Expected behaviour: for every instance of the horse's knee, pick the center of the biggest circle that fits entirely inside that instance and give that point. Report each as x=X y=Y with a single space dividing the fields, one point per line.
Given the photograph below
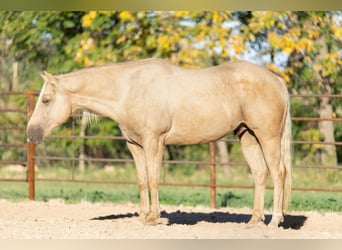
x=142 y=186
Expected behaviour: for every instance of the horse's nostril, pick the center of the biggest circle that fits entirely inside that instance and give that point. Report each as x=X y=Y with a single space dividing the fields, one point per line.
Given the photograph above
x=35 y=134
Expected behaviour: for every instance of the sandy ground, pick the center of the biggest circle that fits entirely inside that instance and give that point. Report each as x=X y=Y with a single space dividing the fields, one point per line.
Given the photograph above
x=57 y=220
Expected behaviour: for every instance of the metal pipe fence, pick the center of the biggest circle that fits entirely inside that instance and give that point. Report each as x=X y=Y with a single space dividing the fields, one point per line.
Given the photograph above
x=30 y=156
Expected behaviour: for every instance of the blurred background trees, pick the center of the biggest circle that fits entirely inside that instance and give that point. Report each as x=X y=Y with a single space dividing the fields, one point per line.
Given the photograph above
x=302 y=47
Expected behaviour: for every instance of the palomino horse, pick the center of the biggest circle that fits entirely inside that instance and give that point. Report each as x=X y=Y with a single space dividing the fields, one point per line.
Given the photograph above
x=156 y=103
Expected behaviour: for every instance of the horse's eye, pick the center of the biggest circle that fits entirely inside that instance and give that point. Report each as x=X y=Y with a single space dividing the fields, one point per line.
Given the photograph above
x=46 y=100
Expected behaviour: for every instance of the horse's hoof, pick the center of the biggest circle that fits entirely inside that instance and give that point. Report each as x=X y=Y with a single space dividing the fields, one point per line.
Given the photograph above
x=256 y=219
x=273 y=224
x=158 y=221
x=154 y=219
x=276 y=220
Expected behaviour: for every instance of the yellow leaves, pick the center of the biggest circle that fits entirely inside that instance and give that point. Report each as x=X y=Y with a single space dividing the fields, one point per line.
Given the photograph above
x=317 y=19
x=216 y=16
x=290 y=41
x=337 y=31
x=88 y=19
x=317 y=67
x=163 y=43
x=132 y=53
x=331 y=63
x=126 y=16
x=311 y=135
x=201 y=32
x=219 y=16
x=237 y=43
x=286 y=44
x=251 y=37
x=191 y=38
x=151 y=42
x=181 y=14
x=313 y=33
x=286 y=74
x=262 y=20
x=190 y=58
x=86 y=45
x=304 y=44
x=273 y=39
x=121 y=39
x=294 y=32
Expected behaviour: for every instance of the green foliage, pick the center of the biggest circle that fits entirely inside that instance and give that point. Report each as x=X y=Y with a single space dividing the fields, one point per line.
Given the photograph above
x=12 y=119
x=105 y=148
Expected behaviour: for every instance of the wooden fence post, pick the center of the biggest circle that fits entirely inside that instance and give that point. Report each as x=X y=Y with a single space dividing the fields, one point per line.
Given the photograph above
x=212 y=185
x=30 y=150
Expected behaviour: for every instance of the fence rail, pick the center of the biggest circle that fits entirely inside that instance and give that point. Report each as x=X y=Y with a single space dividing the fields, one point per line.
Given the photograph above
x=31 y=156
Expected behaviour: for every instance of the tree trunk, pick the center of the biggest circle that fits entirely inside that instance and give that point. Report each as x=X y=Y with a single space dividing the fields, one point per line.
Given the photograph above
x=81 y=164
x=326 y=128
x=328 y=153
x=223 y=154
x=14 y=76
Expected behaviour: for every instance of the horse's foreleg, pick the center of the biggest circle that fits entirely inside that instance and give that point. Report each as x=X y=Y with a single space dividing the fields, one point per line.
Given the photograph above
x=140 y=163
x=254 y=156
x=154 y=149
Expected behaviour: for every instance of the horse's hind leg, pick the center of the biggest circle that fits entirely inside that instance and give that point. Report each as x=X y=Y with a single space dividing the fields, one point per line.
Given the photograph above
x=140 y=164
x=254 y=156
x=271 y=148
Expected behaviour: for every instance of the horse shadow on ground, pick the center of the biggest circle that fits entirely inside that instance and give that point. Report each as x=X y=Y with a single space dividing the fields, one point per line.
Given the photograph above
x=191 y=218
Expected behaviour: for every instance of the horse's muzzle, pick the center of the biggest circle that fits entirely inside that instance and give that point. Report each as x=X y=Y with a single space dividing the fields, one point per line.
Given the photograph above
x=35 y=134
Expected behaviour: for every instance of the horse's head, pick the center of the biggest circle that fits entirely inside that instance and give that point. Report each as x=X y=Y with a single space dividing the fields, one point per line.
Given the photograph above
x=52 y=109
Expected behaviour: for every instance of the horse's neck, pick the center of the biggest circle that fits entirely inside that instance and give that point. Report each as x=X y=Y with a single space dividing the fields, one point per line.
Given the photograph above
x=88 y=92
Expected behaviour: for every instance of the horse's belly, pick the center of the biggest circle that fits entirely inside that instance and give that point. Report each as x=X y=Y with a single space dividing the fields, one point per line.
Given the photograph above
x=202 y=120
x=195 y=133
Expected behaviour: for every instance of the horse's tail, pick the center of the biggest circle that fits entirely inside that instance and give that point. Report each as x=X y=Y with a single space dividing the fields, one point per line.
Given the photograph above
x=286 y=157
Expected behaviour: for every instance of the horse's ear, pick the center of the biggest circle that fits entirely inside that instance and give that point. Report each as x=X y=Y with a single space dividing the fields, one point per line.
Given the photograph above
x=44 y=75
x=48 y=77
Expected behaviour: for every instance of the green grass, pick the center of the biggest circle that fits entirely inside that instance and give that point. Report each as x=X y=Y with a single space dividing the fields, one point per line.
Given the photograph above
x=192 y=196
x=77 y=192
